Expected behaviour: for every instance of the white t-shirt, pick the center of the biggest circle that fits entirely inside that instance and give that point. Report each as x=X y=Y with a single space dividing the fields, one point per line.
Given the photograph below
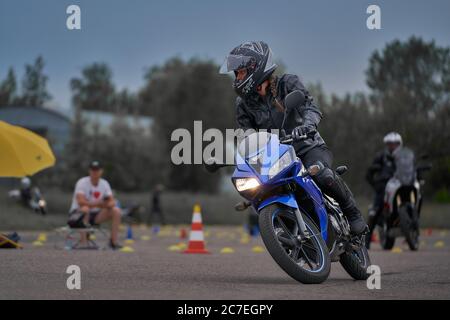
x=91 y=192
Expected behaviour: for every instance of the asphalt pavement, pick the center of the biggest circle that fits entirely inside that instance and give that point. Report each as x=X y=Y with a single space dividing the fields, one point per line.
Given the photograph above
x=238 y=267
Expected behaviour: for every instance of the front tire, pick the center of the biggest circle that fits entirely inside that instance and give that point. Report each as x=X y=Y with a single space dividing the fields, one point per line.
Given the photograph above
x=279 y=227
x=387 y=242
x=409 y=228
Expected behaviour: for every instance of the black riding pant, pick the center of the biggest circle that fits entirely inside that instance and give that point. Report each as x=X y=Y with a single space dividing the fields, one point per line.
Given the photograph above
x=328 y=180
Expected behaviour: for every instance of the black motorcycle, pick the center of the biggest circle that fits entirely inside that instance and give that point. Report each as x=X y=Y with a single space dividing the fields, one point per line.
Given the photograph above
x=400 y=215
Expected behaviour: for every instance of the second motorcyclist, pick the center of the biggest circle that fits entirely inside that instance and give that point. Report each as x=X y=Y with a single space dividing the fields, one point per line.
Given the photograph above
x=378 y=174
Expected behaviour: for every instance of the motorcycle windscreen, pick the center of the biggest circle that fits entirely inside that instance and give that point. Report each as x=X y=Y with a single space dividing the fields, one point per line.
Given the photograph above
x=253 y=144
x=405 y=166
x=260 y=150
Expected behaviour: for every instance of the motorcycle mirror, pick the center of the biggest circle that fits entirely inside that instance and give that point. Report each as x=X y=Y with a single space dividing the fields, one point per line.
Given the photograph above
x=294 y=99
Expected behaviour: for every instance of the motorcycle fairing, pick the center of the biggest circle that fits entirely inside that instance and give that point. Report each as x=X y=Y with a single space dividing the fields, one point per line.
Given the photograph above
x=289 y=174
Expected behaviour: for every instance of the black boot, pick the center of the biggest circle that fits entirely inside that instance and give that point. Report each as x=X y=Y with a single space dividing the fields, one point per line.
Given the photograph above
x=333 y=185
x=355 y=219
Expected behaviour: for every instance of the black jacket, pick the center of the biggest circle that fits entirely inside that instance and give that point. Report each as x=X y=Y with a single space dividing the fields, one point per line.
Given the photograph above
x=260 y=113
x=381 y=170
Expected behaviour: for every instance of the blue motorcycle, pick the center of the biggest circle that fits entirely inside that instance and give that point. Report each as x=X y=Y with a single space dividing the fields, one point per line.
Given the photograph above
x=303 y=229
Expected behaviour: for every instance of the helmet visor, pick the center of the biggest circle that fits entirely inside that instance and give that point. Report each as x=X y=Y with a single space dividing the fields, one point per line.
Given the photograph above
x=235 y=62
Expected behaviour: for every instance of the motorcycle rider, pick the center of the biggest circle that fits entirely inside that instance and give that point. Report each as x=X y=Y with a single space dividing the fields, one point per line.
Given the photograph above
x=259 y=105
x=378 y=174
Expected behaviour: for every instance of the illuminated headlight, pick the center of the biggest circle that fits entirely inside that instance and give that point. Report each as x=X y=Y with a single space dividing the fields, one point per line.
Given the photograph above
x=245 y=184
x=282 y=163
x=42 y=203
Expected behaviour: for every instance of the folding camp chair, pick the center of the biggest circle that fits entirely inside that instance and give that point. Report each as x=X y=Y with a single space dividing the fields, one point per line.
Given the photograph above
x=72 y=237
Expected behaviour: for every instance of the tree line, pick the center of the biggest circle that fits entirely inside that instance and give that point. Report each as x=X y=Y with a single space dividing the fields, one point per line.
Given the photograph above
x=409 y=92
x=33 y=90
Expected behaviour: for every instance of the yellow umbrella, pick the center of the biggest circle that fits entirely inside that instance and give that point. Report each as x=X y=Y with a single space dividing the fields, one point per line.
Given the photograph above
x=22 y=152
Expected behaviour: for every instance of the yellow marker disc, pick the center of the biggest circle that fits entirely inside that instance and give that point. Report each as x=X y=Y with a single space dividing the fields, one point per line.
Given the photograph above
x=439 y=244
x=127 y=249
x=227 y=250
x=397 y=250
x=258 y=249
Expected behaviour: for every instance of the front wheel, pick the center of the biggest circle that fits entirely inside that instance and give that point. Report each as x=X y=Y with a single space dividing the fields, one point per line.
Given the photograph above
x=409 y=226
x=306 y=259
x=387 y=242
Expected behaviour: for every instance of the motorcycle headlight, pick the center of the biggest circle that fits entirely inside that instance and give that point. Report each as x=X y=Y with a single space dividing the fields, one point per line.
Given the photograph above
x=282 y=163
x=41 y=203
x=243 y=184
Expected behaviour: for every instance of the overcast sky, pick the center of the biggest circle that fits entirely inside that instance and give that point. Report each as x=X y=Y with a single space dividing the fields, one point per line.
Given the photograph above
x=325 y=41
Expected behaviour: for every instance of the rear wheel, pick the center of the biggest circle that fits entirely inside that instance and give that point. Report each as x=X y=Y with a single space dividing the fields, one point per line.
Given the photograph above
x=356 y=262
x=306 y=259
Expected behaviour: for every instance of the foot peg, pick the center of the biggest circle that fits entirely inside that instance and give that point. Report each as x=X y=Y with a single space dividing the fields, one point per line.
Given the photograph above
x=243 y=205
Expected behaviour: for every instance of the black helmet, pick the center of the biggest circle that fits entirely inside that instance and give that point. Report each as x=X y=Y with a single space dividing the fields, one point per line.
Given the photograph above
x=256 y=57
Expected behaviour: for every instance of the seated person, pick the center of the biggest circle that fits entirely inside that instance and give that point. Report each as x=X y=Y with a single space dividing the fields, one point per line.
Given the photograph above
x=93 y=203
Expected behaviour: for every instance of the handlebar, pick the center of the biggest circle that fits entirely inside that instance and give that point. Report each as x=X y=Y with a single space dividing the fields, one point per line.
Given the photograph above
x=289 y=138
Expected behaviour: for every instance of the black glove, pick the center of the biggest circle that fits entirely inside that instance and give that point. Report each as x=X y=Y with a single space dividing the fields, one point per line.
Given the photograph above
x=300 y=132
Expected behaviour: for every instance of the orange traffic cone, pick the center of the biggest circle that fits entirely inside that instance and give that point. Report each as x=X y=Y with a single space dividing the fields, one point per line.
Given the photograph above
x=196 y=238
x=374 y=238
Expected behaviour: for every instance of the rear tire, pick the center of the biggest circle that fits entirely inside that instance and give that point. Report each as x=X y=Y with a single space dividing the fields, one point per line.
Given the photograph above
x=280 y=254
x=356 y=263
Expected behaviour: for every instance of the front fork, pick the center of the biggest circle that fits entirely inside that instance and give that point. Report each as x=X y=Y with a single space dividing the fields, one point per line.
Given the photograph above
x=289 y=201
x=301 y=224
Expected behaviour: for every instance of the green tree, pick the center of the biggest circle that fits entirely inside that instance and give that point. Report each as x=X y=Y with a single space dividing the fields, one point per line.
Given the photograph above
x=94 y=90
x=419 y=70
x=8 y=89
x=180 y=93
x=34 y=85
x=410 y=84
x=132 y=158
x=126 y=103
